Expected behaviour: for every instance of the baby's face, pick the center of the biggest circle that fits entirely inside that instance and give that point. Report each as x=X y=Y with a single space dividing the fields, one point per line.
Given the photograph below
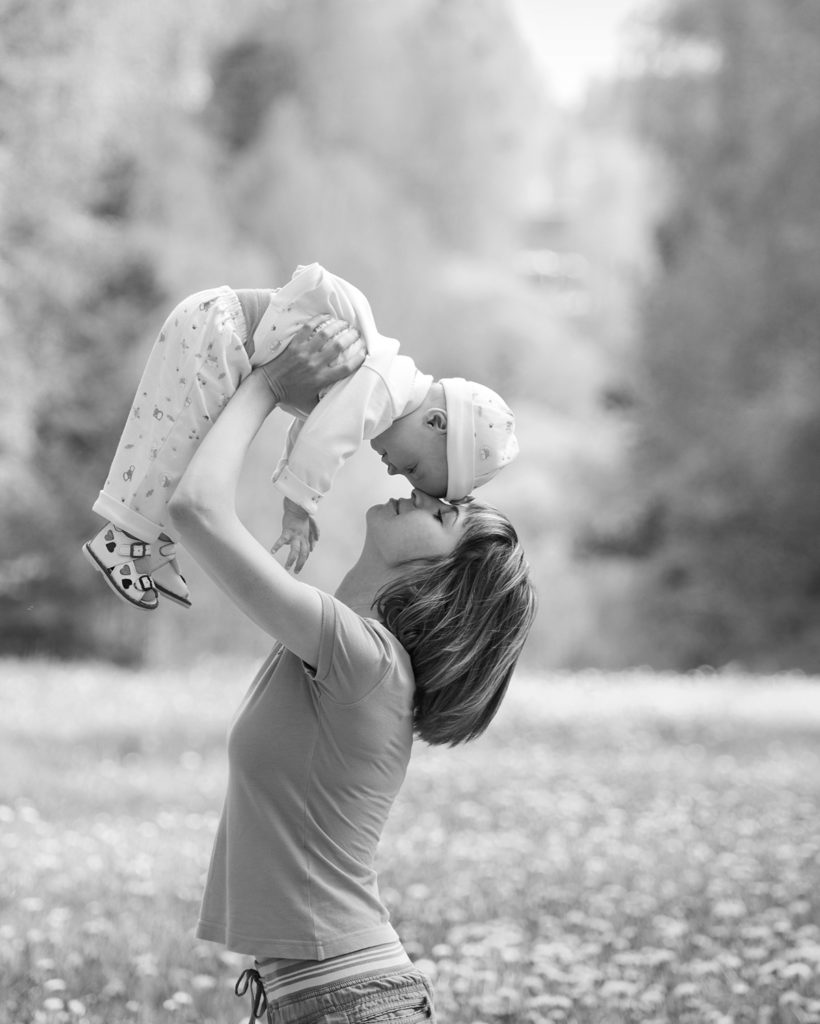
x=413 y=449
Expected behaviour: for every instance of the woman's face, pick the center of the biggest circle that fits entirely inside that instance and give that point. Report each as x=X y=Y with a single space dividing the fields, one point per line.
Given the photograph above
x=404 y=529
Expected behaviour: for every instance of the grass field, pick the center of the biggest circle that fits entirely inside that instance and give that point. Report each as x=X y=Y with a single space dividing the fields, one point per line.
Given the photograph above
x=617 y=848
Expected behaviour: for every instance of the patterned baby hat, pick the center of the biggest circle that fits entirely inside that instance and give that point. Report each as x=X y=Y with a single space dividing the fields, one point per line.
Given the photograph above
x=480 y=435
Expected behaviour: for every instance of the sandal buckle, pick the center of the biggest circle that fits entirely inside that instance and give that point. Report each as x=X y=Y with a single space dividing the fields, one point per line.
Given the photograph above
x=136 y=549
x=145 y=583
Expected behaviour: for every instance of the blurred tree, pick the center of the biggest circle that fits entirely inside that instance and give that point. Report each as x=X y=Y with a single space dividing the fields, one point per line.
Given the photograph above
x=148 y=151
x=730 y=363
x=385 y=139
x=76 y=287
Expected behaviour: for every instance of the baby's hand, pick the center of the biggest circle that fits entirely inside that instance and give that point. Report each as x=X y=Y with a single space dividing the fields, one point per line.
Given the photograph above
x=300 y=532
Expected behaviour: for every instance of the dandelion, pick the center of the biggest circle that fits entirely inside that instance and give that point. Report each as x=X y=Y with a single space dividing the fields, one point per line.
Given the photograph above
x=730 y=909
x=231 y=960
x=652 y=998
x=797 y=970
x=428 y=967
x=146 y=965
x=532 y=984
x=418 y=891
x=618 y=989
x=550 y=1002
x=441 y=951
x=703 y=968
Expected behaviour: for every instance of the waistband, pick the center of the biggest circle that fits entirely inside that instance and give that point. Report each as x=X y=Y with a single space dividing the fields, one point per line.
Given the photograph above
x=285 y=978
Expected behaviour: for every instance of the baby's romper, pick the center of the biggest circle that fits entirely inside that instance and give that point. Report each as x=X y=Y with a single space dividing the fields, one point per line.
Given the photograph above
x=203 y=353
x=197 y=362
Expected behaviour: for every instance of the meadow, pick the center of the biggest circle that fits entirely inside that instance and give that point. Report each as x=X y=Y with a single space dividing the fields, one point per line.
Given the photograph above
x=618 y=848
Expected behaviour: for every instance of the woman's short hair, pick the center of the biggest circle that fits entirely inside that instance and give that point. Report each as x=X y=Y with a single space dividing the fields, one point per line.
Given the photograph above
x=463 y=619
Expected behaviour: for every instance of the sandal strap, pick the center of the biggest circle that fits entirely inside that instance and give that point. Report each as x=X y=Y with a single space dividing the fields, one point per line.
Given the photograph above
x=136 y=549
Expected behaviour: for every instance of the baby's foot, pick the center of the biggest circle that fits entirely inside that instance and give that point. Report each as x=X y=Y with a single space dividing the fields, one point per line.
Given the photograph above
x=116 y=554
x=165 y=573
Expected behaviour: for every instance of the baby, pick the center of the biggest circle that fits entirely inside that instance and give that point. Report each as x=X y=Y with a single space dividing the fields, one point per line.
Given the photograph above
x=446 y=437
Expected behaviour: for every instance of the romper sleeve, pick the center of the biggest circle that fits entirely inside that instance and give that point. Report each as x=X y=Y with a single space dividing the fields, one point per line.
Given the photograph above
x=357 y=656
x=354 y=409
x=294 y=430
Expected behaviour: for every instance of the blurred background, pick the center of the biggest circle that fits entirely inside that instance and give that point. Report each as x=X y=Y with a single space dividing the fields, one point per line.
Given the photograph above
x=609 y=212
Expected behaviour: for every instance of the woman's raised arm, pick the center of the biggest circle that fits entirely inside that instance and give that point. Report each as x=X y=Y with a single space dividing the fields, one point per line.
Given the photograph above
x=203 y=508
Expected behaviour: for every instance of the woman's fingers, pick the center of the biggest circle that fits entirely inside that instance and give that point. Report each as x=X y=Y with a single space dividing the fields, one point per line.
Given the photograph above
x=350 y=357
x=328 y=326
x=324 y=350
x=317 y=323
x=325 y=340
x=344 y=348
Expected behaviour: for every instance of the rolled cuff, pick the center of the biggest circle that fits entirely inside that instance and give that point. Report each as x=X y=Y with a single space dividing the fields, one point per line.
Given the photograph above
x=297 y=490
x=118 y=513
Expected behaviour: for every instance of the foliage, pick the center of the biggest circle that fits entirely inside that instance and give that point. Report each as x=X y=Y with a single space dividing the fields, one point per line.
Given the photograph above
x=621 y=847
x=151 y=152
x=729 y=367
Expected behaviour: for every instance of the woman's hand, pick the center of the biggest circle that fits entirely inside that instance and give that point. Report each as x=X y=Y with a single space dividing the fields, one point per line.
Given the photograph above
x=321 y=352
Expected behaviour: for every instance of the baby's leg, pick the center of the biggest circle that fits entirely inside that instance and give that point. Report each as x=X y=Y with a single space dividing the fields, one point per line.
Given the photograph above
x=196 y=364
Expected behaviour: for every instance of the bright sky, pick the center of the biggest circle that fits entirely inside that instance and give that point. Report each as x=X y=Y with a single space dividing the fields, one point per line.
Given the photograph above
x=573 y=40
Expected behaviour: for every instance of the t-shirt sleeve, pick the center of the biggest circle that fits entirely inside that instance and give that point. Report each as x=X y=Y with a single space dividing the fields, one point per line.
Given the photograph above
x=355 y=654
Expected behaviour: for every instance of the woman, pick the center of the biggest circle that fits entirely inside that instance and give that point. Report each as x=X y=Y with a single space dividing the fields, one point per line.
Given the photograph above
x=421 y=637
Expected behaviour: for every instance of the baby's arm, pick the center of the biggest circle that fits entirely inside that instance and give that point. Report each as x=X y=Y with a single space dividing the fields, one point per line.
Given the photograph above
x=356 y=409
x=300 y=532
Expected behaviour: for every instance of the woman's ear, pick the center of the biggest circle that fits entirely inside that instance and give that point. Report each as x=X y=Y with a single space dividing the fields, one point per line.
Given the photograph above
x=437 y=419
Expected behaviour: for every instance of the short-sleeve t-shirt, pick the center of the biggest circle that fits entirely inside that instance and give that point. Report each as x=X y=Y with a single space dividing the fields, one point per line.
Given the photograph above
x=316 y=758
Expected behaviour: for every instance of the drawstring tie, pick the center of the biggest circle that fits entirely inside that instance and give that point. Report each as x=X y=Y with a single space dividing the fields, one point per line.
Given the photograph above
x=250 y=978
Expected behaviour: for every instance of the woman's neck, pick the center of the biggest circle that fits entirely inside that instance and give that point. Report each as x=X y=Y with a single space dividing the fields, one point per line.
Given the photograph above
x=359 y=588
x=356 y=599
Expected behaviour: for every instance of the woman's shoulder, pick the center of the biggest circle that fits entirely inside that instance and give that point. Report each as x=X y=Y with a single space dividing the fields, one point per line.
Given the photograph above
x=358 y=653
